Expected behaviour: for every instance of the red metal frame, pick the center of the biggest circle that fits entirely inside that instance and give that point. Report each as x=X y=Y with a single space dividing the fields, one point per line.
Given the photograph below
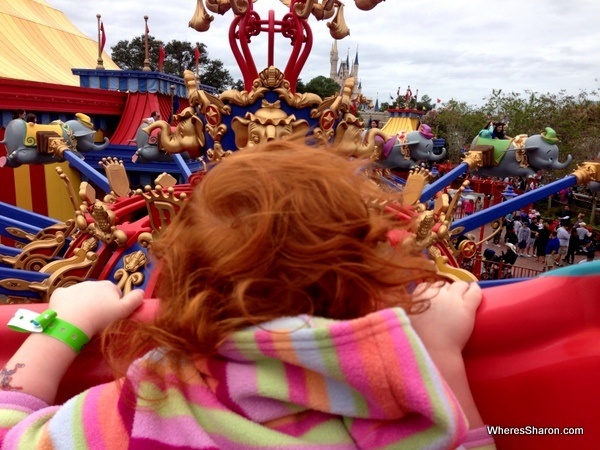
x=248 y=25
x=34 y=96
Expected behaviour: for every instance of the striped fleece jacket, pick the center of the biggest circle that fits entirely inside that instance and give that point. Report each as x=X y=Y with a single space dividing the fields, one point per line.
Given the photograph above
x=294 y=383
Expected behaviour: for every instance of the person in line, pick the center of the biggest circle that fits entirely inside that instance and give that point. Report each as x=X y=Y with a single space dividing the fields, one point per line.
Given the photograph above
x=523 y=238
x=584 y=235
x=552 y=255
x=573 y=246
x=541 y=241
x=19 y=114
x=564 y=235
x=154 y=116
x=31 y=118
x=589 y=257
x=283 y=295
x=533 y=226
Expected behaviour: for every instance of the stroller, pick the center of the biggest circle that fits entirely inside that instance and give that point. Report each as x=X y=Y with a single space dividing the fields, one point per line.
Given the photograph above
x=492 y=263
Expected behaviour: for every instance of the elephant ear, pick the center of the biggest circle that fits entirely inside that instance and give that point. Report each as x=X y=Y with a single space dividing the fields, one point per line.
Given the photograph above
x=240 y=130
x=199 y=127
x=82 y=133
x=339 y=132
x=301 y=129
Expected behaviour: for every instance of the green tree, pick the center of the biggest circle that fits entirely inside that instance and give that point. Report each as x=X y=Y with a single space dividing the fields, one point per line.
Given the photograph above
x=179 y=56
x=238 y=85
x=129 y=55
x=300 y=86
x=323 y=86
x=385 y=106
x=214 y=74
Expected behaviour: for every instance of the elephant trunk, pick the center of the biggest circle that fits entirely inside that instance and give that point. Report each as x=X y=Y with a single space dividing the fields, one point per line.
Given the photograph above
x=168 y=141
x=433 y=157
x=557 y=165
x=101 y=146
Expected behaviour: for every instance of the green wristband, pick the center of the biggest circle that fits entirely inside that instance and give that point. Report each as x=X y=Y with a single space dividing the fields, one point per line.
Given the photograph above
x=27 y=321
x=67 y=333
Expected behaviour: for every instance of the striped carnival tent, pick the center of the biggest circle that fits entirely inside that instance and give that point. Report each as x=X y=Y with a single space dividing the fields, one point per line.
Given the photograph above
x=39 y=43
x=39 y=48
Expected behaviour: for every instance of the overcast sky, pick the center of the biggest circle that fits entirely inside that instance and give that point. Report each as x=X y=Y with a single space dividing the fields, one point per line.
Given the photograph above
x=459 y=49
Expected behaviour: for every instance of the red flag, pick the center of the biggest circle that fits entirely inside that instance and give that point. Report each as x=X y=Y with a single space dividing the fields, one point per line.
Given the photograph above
x=103 y=37
x=197 y=55
x=161 y=57
x=439 y=100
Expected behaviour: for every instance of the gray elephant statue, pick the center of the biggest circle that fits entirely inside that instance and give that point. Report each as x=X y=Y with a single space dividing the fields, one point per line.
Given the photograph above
x=148 y=148
x=32 y=143
x=406 y=150
x=521 y=156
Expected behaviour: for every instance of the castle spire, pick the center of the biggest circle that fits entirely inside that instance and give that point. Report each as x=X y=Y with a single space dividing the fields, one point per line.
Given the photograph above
x=333 y=60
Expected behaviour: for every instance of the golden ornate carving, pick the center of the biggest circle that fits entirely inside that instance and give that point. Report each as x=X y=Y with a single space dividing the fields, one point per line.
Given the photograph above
x=268 y=123
x=200 y=21
x=57 y=146
x=14 y=284
x=297 y=100
x=337 y=27
x=201 y=99
x=165 y=180
x=447 y=271
x=324 y=10
x=367 y=5
x=129 y=276
x=162 y=205
x=66 y=272
x=103 y=226
x=216 y=154
x=218 y=6
x=474 y=159
x=75 y=201
x=587 y=171
x=36 y=254
x=416 y=181
x=67 y=228
x=117 y=176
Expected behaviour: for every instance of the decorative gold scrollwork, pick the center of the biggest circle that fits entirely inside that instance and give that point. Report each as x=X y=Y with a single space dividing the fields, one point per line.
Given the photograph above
x=129 y=276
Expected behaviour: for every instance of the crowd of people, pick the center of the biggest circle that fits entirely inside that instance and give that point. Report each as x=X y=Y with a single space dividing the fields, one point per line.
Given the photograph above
x=552 y=242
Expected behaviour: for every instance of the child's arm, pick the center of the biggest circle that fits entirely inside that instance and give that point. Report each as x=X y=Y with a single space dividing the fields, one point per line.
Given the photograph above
x=444 y=329
x=40 y=363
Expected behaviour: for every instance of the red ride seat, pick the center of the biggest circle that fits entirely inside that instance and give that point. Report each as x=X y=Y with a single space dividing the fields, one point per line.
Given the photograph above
x=532 y=361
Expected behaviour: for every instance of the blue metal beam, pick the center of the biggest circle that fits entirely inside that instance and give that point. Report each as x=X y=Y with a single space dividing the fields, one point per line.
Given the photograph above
x=87 y=171
x=433 y=188
x=500 y=210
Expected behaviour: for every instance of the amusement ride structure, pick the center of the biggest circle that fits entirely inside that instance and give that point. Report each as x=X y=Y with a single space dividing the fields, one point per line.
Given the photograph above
x=515 y=362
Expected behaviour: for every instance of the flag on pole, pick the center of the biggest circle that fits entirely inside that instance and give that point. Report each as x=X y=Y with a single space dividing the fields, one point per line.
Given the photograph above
x=197 y=55
x=103 y=37
x=439 y=100
x=391 y=98
x=161 y=57
x=398 y=92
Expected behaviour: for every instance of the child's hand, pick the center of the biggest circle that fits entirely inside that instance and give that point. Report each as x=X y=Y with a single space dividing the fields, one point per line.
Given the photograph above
x=93 y=305
x=448 y=323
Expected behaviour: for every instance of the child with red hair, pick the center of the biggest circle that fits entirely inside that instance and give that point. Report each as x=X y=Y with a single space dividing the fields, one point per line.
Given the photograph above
x=286 y=320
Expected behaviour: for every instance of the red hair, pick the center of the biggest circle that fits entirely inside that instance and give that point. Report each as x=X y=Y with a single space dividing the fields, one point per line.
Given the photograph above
x=277 y=230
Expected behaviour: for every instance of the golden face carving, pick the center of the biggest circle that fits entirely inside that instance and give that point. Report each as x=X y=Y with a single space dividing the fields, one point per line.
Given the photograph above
x=258 y=133
x=267 y=124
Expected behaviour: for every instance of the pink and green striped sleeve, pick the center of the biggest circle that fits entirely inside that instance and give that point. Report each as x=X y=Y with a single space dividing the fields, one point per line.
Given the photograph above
x=89 y=420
